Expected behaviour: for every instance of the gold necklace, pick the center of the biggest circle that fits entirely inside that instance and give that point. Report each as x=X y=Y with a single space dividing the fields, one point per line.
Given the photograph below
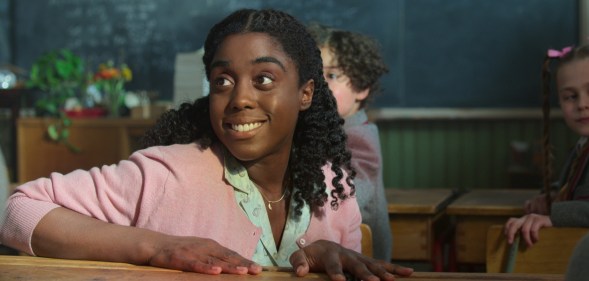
x=270 y=201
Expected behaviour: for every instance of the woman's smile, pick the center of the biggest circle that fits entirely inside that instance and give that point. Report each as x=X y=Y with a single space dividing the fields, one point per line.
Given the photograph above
x=245 y=127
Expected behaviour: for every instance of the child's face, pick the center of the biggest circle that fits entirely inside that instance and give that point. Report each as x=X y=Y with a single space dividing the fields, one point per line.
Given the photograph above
x=348 y=100
x=573 y=94
x=255 y=96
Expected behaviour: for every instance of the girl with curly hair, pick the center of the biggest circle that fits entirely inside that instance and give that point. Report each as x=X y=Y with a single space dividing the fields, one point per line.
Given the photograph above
x=255 y=174
x=352 y=66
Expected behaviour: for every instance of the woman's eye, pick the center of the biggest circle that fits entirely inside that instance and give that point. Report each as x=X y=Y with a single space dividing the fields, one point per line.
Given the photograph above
x=264 y=80
x=222 y=82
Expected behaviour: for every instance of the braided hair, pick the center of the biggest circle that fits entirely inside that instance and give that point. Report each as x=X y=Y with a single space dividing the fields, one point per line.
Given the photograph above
x=357 y=55
x=562 y=58
x=319 y=137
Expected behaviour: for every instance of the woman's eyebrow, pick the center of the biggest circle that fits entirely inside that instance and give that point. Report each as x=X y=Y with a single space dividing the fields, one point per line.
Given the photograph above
x=269 y=59
x=219 y=63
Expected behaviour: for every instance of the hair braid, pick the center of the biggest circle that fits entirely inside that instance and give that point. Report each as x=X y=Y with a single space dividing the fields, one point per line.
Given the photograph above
x=546 y=148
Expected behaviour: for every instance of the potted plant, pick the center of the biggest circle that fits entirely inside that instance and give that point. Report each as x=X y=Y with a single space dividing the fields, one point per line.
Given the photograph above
x=59 y=74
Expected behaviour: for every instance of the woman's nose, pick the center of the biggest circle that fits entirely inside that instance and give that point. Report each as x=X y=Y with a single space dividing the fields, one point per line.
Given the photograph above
x=243 y=96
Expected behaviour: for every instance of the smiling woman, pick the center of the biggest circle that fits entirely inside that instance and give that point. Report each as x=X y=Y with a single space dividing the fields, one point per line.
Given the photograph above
x=256 y=173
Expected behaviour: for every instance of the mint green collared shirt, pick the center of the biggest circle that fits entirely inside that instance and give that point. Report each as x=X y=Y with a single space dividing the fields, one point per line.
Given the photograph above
x=251 y=202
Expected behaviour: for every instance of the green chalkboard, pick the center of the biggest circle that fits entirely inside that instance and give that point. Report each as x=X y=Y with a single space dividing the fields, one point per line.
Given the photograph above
x=442 y=53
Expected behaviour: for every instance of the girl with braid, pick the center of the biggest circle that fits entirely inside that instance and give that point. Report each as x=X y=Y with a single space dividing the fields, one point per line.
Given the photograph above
x=255 y=174
x=568 y=205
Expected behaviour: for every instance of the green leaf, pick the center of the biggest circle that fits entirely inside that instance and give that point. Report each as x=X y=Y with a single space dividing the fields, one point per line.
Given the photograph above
x=52 y=132
x=64 y=69
x=66 y=121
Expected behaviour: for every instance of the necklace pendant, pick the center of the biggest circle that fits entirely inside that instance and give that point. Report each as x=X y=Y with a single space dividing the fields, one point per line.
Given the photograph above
x=269 y=206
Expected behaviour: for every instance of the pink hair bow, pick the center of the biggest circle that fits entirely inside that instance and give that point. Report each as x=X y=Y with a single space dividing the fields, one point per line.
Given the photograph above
x=559 y=54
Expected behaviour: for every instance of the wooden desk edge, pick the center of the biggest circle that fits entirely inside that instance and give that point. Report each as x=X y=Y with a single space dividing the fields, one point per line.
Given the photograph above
x=82 y=264
x=401 y=209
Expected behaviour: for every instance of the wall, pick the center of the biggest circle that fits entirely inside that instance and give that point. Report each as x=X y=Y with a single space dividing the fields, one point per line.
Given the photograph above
x=464 y=153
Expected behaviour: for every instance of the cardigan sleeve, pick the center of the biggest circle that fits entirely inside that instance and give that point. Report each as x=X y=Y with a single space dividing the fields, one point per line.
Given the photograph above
x=111 y=193
x=573 y=213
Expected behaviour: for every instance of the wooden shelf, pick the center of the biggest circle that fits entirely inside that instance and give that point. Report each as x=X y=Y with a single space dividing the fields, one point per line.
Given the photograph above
x=102 y=141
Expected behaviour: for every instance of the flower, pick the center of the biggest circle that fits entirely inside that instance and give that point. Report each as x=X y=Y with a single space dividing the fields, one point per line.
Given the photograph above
x=110 y=81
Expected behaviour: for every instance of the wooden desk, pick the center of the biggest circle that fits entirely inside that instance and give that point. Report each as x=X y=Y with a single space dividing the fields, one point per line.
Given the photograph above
x=415 y=215
x=102 y=141
x=33 y=268
x=551 y=254
x=476 y=211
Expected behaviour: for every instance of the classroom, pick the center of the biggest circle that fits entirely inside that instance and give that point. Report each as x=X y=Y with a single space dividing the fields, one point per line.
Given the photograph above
x=460 y=116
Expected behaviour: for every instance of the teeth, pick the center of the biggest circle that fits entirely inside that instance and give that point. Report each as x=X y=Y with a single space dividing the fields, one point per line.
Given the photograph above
x=246 y=127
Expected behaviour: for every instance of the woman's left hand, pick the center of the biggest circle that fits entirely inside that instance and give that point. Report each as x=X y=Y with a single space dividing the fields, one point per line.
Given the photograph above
x=333 y=259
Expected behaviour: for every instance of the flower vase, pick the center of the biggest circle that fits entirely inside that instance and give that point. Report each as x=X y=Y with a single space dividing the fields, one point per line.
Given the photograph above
x=113 y=102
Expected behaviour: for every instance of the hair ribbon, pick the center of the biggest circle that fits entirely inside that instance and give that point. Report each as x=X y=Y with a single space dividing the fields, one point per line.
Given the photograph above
x=559 y=54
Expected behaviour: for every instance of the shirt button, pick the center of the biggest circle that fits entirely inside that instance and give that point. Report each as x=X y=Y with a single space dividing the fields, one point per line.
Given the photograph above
x=302 y=241
x=242 y=173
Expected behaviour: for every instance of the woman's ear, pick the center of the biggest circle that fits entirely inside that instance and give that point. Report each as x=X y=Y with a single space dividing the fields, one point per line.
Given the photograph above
x=307 y=91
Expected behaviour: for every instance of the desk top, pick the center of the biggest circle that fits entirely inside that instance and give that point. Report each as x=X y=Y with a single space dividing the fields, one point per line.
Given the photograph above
x=418 y=201
x=491 y=202
x=35 y=268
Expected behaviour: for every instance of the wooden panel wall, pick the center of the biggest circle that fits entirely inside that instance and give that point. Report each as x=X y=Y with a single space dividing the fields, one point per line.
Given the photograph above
x=463 y=154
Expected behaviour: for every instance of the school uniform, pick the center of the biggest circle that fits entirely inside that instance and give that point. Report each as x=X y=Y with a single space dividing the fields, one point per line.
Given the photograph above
x=573 y=210
x=179 y=190
x=364 y=144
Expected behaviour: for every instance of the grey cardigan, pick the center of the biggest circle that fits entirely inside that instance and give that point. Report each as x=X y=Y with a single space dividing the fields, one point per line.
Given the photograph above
x=364 y=144
x=573 y=213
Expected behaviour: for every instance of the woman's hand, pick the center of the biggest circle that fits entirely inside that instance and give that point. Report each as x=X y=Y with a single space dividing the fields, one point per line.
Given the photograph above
x=200 y=255
x=333 y=259
x=528 y=226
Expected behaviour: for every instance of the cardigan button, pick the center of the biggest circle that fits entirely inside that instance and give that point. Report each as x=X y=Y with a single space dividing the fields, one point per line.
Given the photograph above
x=302 y=241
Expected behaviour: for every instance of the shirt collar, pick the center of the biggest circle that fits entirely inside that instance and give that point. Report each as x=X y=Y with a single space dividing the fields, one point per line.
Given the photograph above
x=235 y=174
x=356 y=119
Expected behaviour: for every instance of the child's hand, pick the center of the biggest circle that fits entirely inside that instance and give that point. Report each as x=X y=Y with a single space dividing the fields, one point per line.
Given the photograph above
x=528 y=226
x=333 y=259
x=536 y=205
x=200 y=255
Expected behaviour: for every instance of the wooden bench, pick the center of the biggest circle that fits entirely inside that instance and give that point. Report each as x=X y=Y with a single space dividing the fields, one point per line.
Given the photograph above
x=475 y=212
x=366 y=240
x=549 y=255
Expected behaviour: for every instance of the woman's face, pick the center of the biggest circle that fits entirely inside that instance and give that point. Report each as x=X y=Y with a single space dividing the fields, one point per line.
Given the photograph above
x=255 y=97
x=573 y=94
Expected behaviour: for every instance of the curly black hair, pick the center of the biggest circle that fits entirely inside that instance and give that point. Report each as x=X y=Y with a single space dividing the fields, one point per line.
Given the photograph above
x=357 y=55
x=319 y=137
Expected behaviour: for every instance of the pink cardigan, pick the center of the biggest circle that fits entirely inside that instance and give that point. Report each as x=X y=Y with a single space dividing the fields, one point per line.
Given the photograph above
x=178 y=190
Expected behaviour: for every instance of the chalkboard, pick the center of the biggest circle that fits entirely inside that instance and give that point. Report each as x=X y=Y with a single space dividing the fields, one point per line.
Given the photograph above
x=441 y=53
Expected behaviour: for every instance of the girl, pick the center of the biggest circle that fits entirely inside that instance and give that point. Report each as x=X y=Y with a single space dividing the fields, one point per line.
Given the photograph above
x=569 y=206
x=352 y=65
x=254 y=174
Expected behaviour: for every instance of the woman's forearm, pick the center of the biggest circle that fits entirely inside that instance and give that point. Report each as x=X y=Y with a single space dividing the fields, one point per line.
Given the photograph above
x=63 y=233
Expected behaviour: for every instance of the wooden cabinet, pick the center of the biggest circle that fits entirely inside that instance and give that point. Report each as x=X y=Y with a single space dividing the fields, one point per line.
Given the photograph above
x=102 y=141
